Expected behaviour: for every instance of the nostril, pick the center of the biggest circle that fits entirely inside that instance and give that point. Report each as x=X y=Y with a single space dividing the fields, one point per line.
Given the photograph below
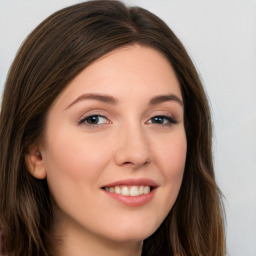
x=127 y=163
x=136 y=164
x=131 y=153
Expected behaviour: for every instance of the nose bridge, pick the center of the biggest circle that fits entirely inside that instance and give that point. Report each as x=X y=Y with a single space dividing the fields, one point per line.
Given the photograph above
x=133 y=146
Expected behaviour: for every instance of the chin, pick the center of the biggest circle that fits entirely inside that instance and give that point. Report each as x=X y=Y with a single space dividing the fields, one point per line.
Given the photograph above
x=131 y=233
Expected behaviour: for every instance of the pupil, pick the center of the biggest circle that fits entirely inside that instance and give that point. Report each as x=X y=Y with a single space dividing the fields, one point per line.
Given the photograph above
x=158 y=119
x=93 y=119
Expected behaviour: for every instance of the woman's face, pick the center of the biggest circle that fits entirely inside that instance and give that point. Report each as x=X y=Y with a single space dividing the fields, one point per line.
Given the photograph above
x=115 y=147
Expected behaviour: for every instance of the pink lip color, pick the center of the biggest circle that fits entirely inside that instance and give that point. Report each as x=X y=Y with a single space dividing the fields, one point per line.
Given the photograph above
x=133 y=200
x=133 y=182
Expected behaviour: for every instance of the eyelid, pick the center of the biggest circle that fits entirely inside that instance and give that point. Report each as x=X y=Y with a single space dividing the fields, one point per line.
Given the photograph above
x=164 y=114
x=82 y=121
x=93 y=112
x=171 y=120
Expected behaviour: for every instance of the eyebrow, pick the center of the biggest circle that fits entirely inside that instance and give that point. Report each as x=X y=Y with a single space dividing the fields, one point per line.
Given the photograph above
x=163 y=98
x=93 y=96
x=113 y=101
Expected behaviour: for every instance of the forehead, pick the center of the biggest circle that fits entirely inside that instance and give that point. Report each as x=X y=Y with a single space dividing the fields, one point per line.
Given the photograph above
x=134 y=69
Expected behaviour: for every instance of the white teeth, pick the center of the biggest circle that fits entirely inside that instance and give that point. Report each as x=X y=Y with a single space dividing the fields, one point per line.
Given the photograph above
x=125 y=191
x=111 y=189
x=134 y=191
x=146 y=190
x=117 y=190
x=129 y=190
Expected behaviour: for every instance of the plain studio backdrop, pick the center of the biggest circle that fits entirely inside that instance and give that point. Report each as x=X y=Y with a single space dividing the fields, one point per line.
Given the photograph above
x=220 y=36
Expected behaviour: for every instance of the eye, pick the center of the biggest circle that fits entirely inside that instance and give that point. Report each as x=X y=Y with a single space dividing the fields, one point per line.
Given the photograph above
x=162 y=120
x=94 y=120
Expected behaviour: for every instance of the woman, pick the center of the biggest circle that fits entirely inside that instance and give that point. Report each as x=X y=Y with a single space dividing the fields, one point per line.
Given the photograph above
x=105 y=140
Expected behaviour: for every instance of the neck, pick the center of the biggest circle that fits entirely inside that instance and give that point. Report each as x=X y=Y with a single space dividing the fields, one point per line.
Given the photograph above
x=86 y=247
x=70 y=238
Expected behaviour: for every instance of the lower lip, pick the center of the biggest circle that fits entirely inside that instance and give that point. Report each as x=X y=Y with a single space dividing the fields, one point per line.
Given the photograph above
x=132 y=200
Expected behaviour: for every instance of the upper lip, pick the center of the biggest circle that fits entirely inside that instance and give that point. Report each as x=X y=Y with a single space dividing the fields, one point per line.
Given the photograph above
x=133 y=182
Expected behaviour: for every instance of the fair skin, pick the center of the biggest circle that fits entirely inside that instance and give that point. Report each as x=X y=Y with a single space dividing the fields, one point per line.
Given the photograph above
x=118 y=125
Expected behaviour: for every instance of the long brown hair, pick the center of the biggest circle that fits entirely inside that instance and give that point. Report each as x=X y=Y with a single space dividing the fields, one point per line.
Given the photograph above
x=52 y=55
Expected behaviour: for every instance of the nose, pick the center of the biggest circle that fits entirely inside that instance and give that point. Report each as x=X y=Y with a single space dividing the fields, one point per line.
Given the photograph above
x=133 y=148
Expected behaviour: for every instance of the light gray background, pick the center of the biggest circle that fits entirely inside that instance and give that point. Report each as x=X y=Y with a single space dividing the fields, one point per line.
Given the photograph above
x=220 y=36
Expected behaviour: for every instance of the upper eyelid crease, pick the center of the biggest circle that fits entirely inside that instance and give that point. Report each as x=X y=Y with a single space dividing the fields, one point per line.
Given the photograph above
x=113 y=101
x=167 y=117
x=87 y=117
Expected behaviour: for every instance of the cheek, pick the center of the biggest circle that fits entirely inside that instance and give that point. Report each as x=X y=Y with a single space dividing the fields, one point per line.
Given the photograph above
x=72 y=161
x=172 y=156
x=74 y=152
x=171 y=162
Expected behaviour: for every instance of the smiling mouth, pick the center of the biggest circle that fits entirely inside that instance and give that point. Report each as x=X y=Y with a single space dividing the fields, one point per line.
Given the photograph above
x=129 y=190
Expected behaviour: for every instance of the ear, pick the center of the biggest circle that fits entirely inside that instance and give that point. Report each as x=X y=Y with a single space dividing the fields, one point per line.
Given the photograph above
x=34 y=162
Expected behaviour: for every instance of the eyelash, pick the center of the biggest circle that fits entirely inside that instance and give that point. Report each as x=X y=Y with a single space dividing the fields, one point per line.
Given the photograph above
x=96 y=117
x=164 y=120
x=168 y=119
